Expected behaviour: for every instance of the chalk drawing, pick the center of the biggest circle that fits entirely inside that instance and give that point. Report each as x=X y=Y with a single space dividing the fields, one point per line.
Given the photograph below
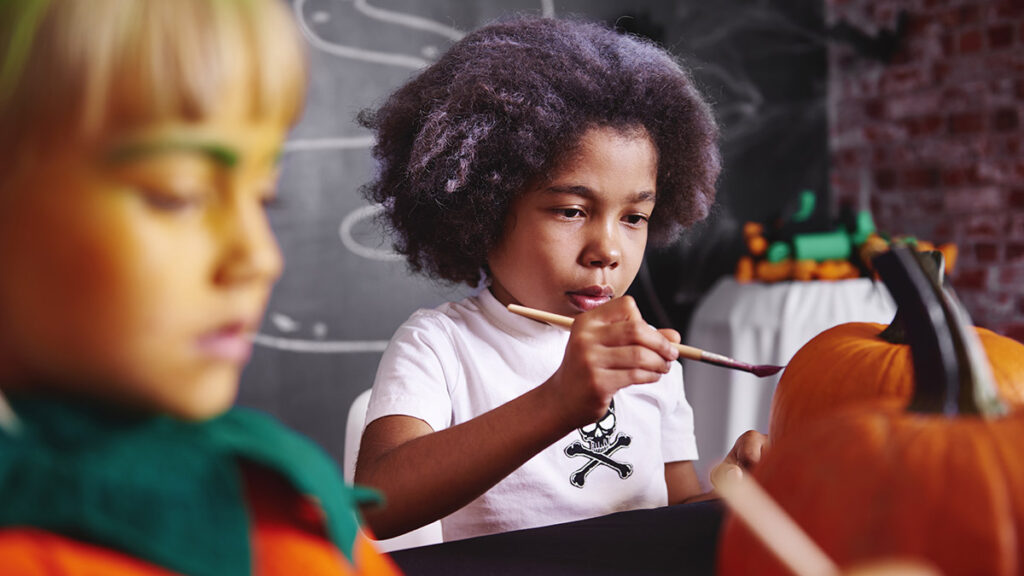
x=345 y=231
x=375 y=56
x=342 y=143
x=320 y=346
x=428 y=53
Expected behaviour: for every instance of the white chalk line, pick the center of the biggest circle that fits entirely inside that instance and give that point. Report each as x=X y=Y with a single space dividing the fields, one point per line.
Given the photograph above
x=345 y=232
x=320 y=346
x=408 y=20
x=373 y=56
x=340 y=143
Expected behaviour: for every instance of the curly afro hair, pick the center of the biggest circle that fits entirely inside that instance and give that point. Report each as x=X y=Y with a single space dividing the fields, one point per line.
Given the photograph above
x=502 y=108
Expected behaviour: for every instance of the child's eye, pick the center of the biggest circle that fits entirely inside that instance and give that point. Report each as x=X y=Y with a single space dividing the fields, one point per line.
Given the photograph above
x=166 y=201
x=569 y=212
x=636 y=219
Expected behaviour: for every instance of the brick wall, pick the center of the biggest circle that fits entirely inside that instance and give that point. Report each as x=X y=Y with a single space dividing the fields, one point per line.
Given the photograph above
x=933 y=138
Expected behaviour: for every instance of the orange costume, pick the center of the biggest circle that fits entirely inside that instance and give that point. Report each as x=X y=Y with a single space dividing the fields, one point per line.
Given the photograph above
x=295 y=521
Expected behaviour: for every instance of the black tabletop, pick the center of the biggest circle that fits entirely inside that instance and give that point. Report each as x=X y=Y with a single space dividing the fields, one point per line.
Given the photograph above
x=671 y=540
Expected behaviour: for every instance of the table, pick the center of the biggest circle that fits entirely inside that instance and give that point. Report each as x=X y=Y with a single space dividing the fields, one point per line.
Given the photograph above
x=679 y=539
x=761 y=324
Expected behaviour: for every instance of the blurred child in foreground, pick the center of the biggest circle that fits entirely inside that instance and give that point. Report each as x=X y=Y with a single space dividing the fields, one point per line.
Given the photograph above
x=139 y=147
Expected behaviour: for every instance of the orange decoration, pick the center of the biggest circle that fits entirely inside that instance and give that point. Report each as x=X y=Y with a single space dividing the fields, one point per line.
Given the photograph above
x=852 y=364
x=938 y=480
x=745 y=270
x=774 y=271
x=757 y=245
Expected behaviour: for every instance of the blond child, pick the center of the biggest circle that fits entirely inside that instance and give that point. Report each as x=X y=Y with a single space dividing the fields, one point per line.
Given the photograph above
x=541 y=155
x=139 y=147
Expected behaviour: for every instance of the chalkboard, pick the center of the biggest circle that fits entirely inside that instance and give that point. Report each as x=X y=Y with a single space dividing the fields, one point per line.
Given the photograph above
x=343 y=292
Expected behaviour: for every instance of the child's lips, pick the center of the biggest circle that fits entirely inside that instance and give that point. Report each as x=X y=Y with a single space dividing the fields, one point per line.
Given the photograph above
x=590 y=297
x=231 y=342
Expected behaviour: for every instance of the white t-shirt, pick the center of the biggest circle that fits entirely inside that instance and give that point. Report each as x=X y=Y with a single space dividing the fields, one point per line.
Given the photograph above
x=450 y=364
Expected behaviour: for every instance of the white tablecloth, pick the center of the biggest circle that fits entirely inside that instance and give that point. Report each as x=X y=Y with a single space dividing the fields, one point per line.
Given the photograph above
x=761 y=324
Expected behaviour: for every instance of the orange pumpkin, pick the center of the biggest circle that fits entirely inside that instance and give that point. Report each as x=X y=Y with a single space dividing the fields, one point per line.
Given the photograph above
x=923 y=482
x=865 y=362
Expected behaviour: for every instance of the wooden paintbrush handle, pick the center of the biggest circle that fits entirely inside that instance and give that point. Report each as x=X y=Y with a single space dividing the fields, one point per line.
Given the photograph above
x=566 y=322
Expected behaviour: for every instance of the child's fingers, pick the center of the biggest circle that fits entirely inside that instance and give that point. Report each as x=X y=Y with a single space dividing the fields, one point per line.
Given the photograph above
x=638 y=333
x=671 y=335
x=635 y=358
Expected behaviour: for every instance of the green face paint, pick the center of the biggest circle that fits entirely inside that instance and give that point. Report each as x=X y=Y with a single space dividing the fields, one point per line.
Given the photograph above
x=217 y=152
x=23 y=19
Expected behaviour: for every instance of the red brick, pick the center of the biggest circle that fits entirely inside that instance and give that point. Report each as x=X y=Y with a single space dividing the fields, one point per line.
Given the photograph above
x=925 y=126
x=970 y=278
x=961 y=16
x=1009 y=9
x=1014 y=251
x=1005 y=120
x=960 y=176
x=1015 y=198
x=1016 y=227
x=966 y=123
x=874 y=108
x=919 y=24
x=918 y=178
x=1000 y=36
x=986 y=253
x=1013 y=146
x=970 y=42
x=885 y=179
x=1015 y=331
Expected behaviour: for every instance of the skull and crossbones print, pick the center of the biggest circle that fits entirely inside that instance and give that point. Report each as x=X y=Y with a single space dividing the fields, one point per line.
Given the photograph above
x=599 y=443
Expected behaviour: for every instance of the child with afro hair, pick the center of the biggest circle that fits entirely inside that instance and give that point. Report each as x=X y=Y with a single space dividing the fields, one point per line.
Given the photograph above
x=540 y=155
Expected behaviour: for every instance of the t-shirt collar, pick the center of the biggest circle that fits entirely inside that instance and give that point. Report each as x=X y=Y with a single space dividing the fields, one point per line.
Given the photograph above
x=518 y=326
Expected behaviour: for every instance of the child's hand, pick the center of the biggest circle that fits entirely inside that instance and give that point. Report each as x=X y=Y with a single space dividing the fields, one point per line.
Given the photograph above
x=610 y=347
x=745 y=454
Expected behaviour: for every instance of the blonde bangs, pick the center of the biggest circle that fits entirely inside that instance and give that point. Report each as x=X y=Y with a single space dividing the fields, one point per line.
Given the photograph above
x=103 y=65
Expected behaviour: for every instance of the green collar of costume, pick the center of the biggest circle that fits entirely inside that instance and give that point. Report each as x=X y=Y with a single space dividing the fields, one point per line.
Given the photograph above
x=163 y=490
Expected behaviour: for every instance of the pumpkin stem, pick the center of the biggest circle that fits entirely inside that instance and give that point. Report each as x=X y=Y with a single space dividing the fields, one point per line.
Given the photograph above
x=895 y=332
x=951 y=371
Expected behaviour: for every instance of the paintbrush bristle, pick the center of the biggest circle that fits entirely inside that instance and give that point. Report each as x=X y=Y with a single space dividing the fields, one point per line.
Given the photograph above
x=765 y=370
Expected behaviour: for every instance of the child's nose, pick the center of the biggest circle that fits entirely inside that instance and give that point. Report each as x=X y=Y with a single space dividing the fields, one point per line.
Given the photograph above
x=249 y=249
x=603 y=249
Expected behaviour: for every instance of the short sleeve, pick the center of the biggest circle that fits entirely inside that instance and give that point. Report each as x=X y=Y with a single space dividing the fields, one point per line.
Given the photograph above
x=414 y=373
x=678 y=441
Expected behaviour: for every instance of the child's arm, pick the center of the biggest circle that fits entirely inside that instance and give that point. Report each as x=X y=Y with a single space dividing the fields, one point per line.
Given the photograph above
x=681 y=480
x=426 y=475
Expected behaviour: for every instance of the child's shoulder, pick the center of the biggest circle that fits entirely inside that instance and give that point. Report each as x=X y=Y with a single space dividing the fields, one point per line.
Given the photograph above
x=453 y=315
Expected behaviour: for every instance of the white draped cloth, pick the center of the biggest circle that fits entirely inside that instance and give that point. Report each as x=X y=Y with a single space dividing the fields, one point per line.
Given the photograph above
x=761 y=324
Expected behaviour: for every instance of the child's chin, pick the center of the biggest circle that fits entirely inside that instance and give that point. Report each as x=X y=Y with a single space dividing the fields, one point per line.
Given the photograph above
x=204 y=406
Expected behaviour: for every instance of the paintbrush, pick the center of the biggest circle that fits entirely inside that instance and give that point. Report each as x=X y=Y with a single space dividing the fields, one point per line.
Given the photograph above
x=774 y=527
x=759 y=370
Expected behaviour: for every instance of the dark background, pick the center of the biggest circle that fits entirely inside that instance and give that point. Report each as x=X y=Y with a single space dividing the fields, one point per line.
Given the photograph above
x=762 y=65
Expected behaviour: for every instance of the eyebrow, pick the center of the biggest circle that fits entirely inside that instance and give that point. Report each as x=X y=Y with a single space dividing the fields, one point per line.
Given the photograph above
x=219 y=153
x=583 y=191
